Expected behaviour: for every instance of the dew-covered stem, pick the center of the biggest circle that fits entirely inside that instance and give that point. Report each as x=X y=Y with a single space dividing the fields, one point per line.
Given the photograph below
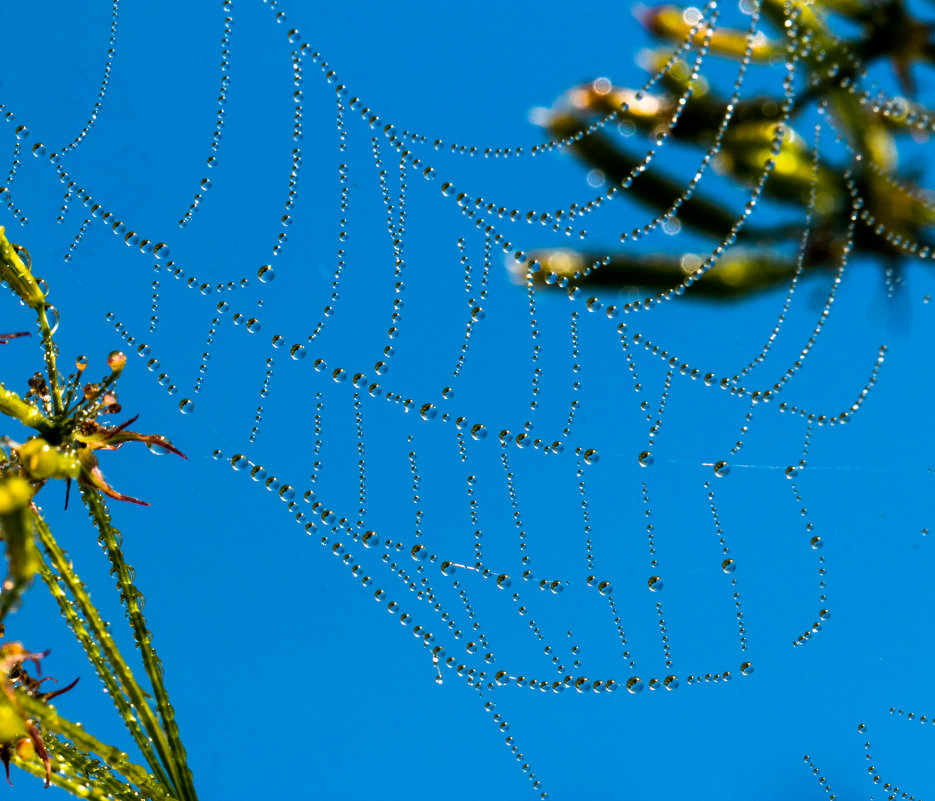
x=101 y=650
x=130 y=596
x=116 y=760
x=50 y=349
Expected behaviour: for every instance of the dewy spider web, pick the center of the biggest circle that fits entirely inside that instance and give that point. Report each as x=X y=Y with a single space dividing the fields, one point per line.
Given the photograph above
x=604 y=538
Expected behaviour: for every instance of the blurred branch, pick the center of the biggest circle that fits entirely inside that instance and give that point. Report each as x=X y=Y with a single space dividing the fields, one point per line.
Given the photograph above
x=743 y=141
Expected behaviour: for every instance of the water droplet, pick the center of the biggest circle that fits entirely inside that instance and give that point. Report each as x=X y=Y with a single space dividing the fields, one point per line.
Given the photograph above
x=186 y=406
x=239 y=461
x=721 y=469
x=428 y=411
x=297 y=352
x=258 y=473
x=671 y=682
x=286 y=492
x=253 y=325
x=591 y=456
x=339 y=375
x=479 y=431
x=816 y=542
x=655 y=583
x=161 y=250
x=646 y=459
x=448 y=568
x=370 y=539
x=634 y=685
x=503 y=581
x=605 y=588
x=419 y=552
x=266 y=273
x=728 y=565
x=746 y=668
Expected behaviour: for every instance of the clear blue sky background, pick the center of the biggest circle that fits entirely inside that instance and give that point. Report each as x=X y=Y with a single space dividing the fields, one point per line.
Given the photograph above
x=288 y=678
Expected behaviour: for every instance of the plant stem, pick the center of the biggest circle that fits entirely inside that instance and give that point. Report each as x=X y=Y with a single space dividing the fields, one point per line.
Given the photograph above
x=127 y=695
x=9 y=597
x=50 y=349
x=116 y=760
x=130 y=596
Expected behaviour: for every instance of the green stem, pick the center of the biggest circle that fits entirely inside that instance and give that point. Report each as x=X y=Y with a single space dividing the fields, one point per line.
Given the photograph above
x=130 y=596
x=115 y=759
x=71 y=782
x=127 y=695
x=12 y=405
x=50 y=348
x=77 y=774
x=9 y=598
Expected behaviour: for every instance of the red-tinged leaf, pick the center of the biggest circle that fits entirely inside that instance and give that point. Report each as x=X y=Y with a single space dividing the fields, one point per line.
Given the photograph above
x=94 y=478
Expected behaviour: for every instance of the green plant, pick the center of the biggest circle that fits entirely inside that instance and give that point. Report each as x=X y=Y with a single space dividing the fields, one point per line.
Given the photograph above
x=753 y=142
x=64 y=413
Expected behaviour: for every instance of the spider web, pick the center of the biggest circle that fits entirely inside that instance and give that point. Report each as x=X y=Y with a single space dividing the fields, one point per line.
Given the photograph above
x=475 y=533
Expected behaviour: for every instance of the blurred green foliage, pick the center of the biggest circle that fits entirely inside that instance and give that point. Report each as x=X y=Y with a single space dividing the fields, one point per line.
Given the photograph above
x=858 y=205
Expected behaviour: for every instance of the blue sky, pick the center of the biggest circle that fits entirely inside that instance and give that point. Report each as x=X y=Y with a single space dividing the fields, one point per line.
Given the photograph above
x=287 y=675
